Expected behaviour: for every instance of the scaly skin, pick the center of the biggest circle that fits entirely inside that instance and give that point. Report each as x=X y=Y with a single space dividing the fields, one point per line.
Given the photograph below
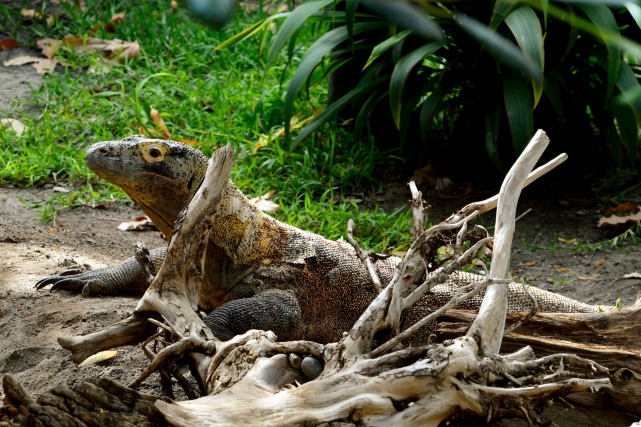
x=260 y=273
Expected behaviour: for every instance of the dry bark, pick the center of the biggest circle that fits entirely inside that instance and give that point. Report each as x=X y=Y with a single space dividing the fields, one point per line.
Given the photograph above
x=249 y=378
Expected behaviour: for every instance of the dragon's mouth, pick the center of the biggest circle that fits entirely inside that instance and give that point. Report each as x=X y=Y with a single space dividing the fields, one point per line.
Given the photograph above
x=158 y=219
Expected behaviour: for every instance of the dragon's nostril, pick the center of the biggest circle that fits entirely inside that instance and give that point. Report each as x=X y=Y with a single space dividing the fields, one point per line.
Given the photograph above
x=103 y=151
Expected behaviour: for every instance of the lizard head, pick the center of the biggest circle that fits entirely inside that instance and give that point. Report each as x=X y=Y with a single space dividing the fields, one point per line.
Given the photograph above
x=160 y=176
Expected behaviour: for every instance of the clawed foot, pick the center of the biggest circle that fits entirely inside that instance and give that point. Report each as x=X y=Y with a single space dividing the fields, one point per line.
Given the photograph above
x=75 y=280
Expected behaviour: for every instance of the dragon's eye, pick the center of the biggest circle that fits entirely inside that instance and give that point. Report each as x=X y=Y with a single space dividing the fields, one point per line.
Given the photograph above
x=154 y=152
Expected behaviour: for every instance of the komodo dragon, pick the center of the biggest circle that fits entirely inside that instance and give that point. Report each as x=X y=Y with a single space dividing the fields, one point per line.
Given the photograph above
x=259 y=272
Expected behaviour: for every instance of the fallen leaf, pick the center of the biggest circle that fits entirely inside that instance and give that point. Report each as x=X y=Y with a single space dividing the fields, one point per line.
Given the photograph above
x=584 y=278
x=600 y=263
x=141 y=223
x=52 y=229
x=81 y=4
x=42 y=65
x=567 y=241
x=624 y=208
x=264 y=204
x=28 y=13
x=160 y=123
x=13 y=124
x=563 y=270
x=115 y=49
x=614 y=220
x=98 y=357
x=8 y=43
x=116 y=20
x=173 y=4
x=529 y=264
x=443 y=184
x=634 y=275
x=399 y=254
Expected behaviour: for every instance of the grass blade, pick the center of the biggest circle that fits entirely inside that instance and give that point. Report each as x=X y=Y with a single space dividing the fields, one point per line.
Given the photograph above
x=292 y=24
x=498 y=45
x=350 y=13
x=518 y=105
x=331 y=111
x=400 y=74
x=427 y=112
x=243 y=35
x=501 y=10
x=407 y=16
x=382 y=47
x=635 y=11
x=367 y=109
x=629 y=85
x=492 y=128
x=526 y=28
x=628 y=129
x=606 y=25
x=311 y=59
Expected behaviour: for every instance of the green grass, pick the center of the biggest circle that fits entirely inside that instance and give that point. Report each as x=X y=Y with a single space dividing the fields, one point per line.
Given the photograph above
x=212 y=97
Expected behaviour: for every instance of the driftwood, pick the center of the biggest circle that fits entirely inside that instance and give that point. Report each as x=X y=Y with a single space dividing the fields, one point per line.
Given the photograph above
x=252 y=380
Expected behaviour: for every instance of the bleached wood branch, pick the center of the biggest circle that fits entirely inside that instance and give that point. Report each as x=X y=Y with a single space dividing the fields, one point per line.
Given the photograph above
x=487 y=329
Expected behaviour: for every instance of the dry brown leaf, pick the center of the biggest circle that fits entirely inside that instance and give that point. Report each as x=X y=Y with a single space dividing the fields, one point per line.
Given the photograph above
x=160 y=123
x=118 y=18
x=529 y=264
x=600 y=263
x=614 y=220
x=81 y=4
x=8 y=43
x=28 y=13
x=399 y=254
x=115 y=49
x=42 y=65
x=13 y=124
x=141 y=223
x=425 y=174
x=584 y=278
x=567 y=241
x=563 y=270
x=173 y=4
x=624 y=208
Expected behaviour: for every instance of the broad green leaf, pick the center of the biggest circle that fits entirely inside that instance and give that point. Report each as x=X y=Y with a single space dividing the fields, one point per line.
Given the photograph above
x=635 y=11
x=367 y=109
x=331 y=111
x=350 y=12
x=526 y=28
x=407 y=16
x=628 y=129
x=551 y=89
x=492 y=128
x=400 y=74
x=292 y=24
x=243 y=35
x=381 y=48
x=427 y=112
x=518 y=106
x=607 y=27
x=312 y=57
x=498 y=45
x=501 y=9
x=628 y=84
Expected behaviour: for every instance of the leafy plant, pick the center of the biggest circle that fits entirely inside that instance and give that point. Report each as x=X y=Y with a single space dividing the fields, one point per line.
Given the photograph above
x=473 y=76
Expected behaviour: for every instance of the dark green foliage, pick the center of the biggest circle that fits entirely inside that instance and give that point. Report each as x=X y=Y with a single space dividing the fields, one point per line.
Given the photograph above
x=475 y=77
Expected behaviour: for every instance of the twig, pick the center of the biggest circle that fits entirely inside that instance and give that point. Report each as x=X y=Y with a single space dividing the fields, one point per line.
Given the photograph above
x=376 y=281
x=523 y=214
x=456 y=300
x=227 y=347
x=418 y=211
